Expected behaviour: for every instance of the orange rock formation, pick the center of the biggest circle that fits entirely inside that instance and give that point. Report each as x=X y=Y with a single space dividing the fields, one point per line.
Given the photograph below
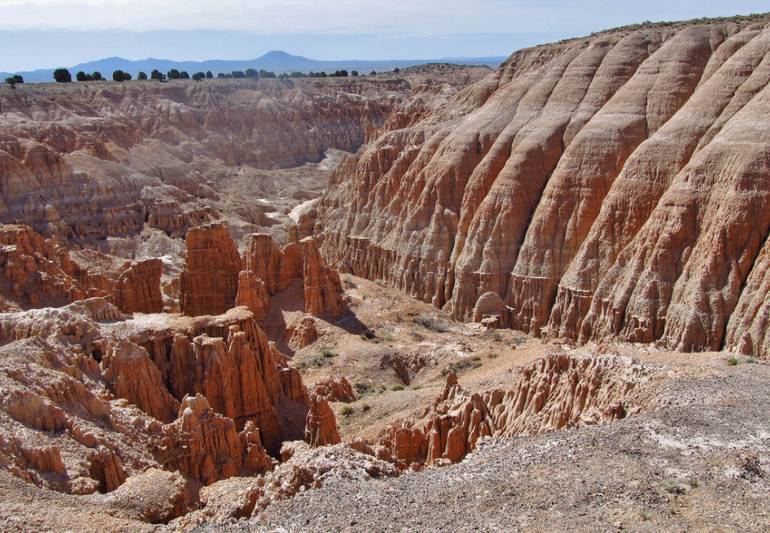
x=298 y=267
x=555 y=392
x=209 y=283
x=35 y=272
x=137 y=289
x=607 y=187
x=321 y=426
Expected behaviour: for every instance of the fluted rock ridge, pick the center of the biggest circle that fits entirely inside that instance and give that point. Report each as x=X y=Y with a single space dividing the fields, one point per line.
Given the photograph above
x=229 y=360
x=216 y=278
x=297 y=266
x=557 y=391
x=207 y=446
x=614 y=186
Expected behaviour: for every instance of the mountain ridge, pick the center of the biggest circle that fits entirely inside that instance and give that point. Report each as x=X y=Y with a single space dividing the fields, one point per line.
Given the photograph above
x=277 y=61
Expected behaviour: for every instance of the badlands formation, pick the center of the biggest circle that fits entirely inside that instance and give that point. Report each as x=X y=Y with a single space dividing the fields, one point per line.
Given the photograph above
x=444 y=299
x=608 y=187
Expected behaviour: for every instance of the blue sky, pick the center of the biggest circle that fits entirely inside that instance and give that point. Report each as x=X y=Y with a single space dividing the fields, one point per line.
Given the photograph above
x=47 y=33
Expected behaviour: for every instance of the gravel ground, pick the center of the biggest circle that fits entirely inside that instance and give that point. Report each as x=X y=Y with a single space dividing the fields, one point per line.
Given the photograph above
x=699 y=463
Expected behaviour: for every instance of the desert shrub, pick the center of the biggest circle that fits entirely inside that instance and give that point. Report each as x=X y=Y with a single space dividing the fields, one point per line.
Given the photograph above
x=431 y=323
x=141 y=76
x=672 y=487
x=362 y=388
x=733 y=361
x=13 y=80
x=347 y=411
x=326 y=353
x=397 y=387
x=366 y=407
x=463 y=364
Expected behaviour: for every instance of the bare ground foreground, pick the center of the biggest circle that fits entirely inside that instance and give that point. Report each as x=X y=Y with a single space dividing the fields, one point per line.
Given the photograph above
x=696 y=461
x=692 y=457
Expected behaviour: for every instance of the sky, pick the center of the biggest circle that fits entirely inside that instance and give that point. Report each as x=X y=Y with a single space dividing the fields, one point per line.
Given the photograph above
x=49 y=33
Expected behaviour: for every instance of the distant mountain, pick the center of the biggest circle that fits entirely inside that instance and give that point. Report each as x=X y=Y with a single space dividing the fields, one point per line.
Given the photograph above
x=276 y=61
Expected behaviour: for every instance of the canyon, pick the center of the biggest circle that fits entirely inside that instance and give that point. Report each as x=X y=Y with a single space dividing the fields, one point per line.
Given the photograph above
x=446 y=298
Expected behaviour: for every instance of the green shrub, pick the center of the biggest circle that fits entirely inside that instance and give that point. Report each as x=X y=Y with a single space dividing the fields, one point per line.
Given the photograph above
x=327 y=353
x=672 y=487
x=363 y=388
x=397 y=387
x=347 y=411
x=733 y=361
x=13 y=80
x=62 y=75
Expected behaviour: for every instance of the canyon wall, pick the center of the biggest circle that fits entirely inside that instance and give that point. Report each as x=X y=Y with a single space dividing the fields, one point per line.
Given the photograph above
x=88 y=161
x=614 y=186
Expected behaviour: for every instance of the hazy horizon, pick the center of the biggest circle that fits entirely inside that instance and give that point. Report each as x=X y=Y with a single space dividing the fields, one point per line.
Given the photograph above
x=42 y=34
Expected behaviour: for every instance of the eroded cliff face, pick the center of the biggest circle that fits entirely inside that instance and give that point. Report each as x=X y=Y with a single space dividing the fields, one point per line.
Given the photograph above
x=614 y=186
x=88 y=161
x=555 y=392
x=35 y=272
x=93 y=397
x=216 y=278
